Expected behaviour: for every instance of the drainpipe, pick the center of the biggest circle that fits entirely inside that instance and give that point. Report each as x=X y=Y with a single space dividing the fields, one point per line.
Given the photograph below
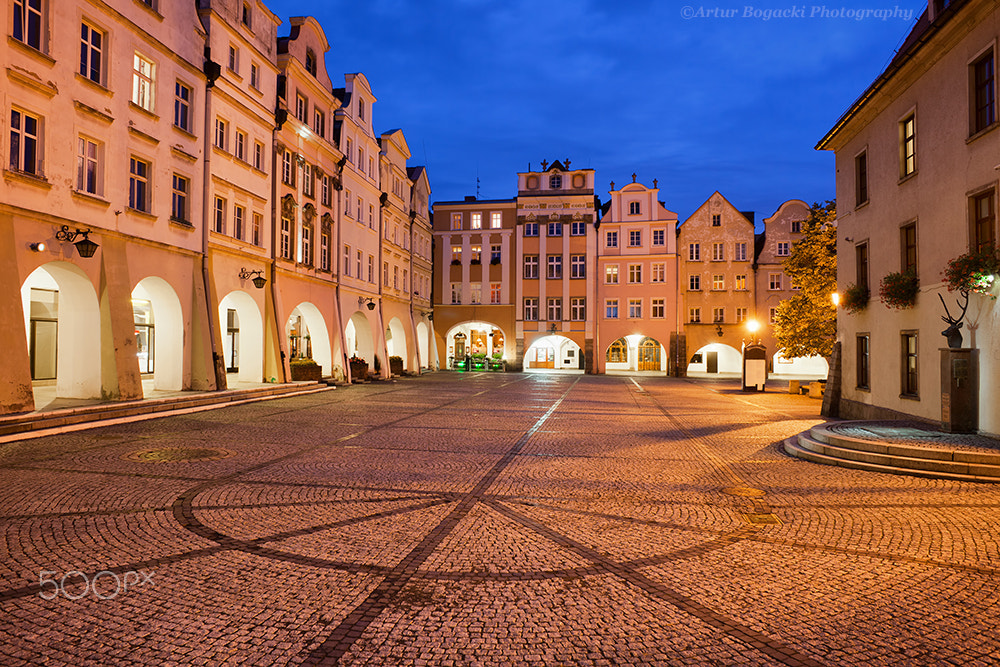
x=596 y=309
x=338 y=220
x=413 y=324
x=280 y=116
x=383 y=199
x=212 y=72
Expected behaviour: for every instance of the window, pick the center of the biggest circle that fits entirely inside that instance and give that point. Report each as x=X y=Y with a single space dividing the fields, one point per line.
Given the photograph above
x=908 y=247
x=476 y=220
x=361 y=108
x=371 y=167
x=495 y=251
x=861 y=179
x=719 y=315
x=182 y=106
x=531 y=309
x=307 y=181
x=863 y=361
x=246 y=17
x=618 y=352
x=255 y=228
x=694 y=315
x=531 y=266
x=301 y=108
x=772 y=315
x=324 y=196
x=359 y=263
x=740 y=282
x=258 y=155
x=694 y=252
x=496 y=220
x=319 y=122
x=324 y=250
x=88 y=172
x=718 y=281
x=287 y=168
x=456 y=254
x=716 y=220
x=347 y=257
x=634 y=238
x=659 y=309
x=91 y=53
x=907 y=146
x=774 y=281
x=783 y=248
x=495 y=293
x=634 y=308
x=634 y=208
x=796 y=226
x=347 y=203
x=611 y=274
x=371 y=268
x=578 y=309
x=910 y=387
x=476 y=252
x=554 y=269
x=219 y=218
x=741 y=252
x=659 y=237
x=611 y=309
x=612 y=239
x=741 y=315
x=635 y=273
x=241 y=145
x=983 y=220
x=476 y=290
x=371 y=216
x=658 y=272
x=718 y=252
x=456 y=220
x=694 y=283
x=234 y=59
x=555 y=182
x=25 y=148
x=555 y=229
x=239 y=228
x=179 y=198
x=285 y=239
x=385 y=281
x=311 y=62
x=456 y=288
x=221 y=134
x=143 y=79
x=349 y=153
x=578 y=266
x=861 y=265
x=255 y=76
x=531 y=229
x=983 y=93
x=578 y=228
x=138 y=184
x=28 y=22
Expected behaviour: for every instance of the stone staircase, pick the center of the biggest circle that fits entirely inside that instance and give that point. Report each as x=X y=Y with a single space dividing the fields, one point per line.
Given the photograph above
x=939 y=458
x=34 y=424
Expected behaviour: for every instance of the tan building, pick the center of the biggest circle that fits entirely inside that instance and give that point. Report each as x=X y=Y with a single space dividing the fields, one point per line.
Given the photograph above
x=716 y=281
x=475 y=281
x=916 y=187
x=422 y=267
x=556 y=245
x=636 y=309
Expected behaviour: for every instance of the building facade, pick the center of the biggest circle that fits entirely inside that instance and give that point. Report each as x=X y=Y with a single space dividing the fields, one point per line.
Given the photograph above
x=917 y=187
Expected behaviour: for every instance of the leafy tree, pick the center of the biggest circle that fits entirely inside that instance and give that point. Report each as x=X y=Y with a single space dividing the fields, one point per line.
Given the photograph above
x=806 y=324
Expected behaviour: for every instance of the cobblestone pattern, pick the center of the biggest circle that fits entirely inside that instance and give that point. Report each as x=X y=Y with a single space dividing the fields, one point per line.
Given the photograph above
x=490 y=519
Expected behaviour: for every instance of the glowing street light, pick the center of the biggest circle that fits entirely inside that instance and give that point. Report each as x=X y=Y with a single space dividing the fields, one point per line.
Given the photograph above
x=836 y=299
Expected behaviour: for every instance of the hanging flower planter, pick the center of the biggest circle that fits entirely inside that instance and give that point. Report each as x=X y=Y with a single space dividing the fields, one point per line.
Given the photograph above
x=855 y=298
x=974 y=272
x=899 y=290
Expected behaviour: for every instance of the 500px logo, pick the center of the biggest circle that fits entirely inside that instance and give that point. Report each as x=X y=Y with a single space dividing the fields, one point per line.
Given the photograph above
x=105 y=585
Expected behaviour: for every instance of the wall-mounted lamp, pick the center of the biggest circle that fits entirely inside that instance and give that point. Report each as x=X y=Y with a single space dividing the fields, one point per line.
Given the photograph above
x=258 y=277
x=84 y=246
x=718 y=330
x=366 y=301
x=552 y=329
x=37 y=247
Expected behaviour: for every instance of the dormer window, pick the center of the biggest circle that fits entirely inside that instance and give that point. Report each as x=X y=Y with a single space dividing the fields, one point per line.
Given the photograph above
x=311 y=62
x=245 y=17
x=361 y=108
x=555 y=182
x=634 y=208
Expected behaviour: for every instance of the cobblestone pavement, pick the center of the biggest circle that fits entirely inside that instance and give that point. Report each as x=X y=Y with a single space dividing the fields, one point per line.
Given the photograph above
x=487 y=519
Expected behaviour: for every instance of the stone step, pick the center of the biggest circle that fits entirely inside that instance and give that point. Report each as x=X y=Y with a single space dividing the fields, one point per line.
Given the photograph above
x=39 y=421
x=824 y=434
x=861 y=457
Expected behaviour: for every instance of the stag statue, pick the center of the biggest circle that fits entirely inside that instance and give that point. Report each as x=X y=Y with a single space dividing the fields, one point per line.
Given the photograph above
x=952 y=333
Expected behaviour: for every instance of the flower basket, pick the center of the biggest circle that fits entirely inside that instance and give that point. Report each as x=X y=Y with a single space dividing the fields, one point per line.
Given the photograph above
x=304 y=370
x=975 y=271
x=899 y=290
x=396 y=365
x=855 y=298
x=359 y=369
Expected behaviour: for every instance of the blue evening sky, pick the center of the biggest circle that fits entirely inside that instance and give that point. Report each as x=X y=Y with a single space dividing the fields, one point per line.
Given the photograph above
x=703 y=97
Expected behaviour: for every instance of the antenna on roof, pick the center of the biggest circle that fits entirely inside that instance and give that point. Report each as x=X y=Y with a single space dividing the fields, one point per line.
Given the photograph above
x=477 y=186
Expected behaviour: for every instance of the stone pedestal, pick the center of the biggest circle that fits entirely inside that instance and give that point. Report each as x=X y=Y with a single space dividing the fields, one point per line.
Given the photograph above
x=959 y=390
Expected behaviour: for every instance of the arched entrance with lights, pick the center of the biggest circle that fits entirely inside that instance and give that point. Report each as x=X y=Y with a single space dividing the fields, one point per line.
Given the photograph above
x=424 y=345
x=635 y=354
x=62 y=323
x=553 y=352
x=715 y=359
x=476 y=346
x=395 y=341
x=242 y=329
x=308 y=337
x=159 y=334
x=359 y=339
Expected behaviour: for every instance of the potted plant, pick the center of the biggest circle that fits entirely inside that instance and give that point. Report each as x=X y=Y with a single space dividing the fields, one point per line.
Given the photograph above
x=305 y=369
x=899 y=290
x=855 y=298
x=359 y=368
x=396 y=365
x=974 y=272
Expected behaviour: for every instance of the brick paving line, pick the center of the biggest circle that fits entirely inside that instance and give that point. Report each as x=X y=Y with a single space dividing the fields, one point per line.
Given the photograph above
x=340 y=640
x=765 y=644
